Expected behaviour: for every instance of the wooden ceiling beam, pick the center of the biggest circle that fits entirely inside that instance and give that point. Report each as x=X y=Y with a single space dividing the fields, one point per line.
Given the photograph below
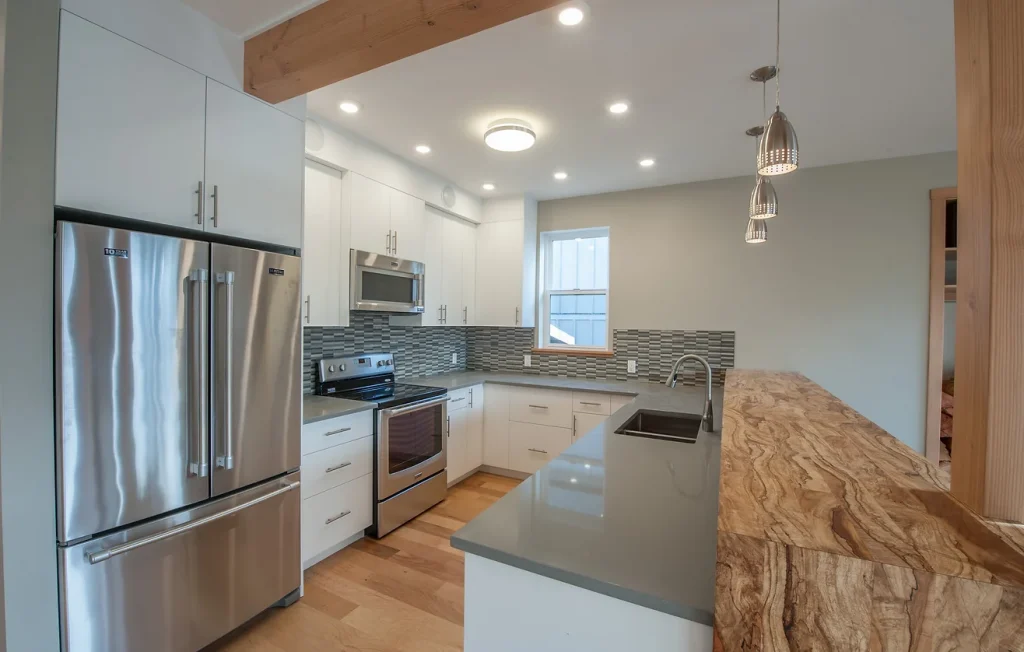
x=343 y=38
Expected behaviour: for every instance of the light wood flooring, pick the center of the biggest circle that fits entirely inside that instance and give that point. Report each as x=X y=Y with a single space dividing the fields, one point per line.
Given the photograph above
x=402 y=593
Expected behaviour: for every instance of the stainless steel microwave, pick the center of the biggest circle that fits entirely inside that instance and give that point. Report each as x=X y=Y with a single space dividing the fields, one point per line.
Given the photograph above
x=385 y=284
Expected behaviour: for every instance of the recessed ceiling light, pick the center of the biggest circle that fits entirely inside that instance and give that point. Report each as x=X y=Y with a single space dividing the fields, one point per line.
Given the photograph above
x=423 y=149
x=647 y=163
x=488 y=186
x=619 y=107
x=561 y=176
x=510 y=135
x=570 y=16
x=349 y=107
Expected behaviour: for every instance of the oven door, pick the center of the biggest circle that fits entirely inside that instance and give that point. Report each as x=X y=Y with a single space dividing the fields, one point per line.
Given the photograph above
x=384 y=284
x=411 y=444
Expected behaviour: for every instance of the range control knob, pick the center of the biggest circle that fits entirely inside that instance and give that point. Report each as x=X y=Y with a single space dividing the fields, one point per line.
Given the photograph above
x=389 y=363
x=380 y=363
x=330 y=369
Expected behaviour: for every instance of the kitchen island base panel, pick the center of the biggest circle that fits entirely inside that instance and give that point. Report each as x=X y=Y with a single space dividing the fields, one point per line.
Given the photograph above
x=510 y=610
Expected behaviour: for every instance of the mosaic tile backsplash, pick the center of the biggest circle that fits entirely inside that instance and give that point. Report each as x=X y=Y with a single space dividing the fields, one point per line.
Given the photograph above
x=426 y=351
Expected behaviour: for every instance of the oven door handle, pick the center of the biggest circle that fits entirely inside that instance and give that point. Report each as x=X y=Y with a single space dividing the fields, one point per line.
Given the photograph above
x=415 y=407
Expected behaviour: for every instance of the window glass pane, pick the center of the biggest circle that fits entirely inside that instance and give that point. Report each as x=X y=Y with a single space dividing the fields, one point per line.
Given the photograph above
x=578 y=320
x=601 y=261
x=585 y=264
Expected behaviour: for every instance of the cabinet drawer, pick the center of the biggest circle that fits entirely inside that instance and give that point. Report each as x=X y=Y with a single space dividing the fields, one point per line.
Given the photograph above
x=532 y=446
x=545 y=407
x=335 y=466
x=335 y=515
x=333 y=432
x=460 y=399
x=591 y=403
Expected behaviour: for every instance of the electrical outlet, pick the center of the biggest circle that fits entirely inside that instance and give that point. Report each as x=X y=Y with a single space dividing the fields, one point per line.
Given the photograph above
x=631 y=366
x=455 y=358
x=527 y=360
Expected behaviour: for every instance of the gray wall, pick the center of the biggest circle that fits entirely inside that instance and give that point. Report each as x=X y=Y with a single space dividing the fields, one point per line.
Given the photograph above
x=839 y=292
x=26 y=318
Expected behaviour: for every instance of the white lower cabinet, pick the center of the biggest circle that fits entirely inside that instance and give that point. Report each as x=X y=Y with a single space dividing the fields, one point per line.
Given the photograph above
x=465 y=432
x=337 y=483
x=584 y=422
x=495 y=439
x=532 y=446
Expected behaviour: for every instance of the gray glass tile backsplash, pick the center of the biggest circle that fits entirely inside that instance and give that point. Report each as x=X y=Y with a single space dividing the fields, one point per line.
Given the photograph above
x=426 y=351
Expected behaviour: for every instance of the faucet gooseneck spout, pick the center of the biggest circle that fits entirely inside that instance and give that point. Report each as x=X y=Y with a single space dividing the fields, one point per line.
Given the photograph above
x=707 y=421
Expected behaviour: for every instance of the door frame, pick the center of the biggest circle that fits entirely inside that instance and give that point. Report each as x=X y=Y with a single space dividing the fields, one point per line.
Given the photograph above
x=940 y=197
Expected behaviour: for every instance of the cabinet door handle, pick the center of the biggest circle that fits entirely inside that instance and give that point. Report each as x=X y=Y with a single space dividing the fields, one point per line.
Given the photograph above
x=216 y=204
x=444 y=318
x=394 y=244
x=588 y=403
x=201 y=197
x=537 y=450
x=338 y=468
x=336 y=432
x=465 y=314
x=574 y=426
x=339 y=516
x=517 y=315
x=539 y=407
x=439 y=317
x=389 y=241
x=449 y=419
x=308 y=300
x=470 y=398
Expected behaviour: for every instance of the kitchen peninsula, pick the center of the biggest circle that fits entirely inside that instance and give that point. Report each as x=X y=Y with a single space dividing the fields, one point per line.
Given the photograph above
x=831 y=535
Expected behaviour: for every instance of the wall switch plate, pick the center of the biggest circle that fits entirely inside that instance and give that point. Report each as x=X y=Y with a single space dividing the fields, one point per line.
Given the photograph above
x=631 y=366
x=455 y=358
x=527 y=360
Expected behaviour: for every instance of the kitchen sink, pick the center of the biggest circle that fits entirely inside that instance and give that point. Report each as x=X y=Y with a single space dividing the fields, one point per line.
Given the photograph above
x=670 y=426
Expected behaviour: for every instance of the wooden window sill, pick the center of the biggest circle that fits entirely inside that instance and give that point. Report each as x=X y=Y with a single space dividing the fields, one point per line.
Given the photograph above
x=590 y=353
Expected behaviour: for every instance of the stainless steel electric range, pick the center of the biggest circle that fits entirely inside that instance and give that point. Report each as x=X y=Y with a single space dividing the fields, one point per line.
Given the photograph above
x=411 y=448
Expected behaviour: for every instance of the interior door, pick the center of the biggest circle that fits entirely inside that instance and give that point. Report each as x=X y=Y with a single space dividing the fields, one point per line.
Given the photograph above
x=321 y=247
x=254 y=156
x=129 y=128
x=256 y=366
x=131 y=350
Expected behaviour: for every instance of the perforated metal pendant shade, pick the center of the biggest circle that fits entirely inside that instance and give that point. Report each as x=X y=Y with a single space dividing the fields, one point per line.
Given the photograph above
x=757 y=231
x=763 y=202
x=779 y=152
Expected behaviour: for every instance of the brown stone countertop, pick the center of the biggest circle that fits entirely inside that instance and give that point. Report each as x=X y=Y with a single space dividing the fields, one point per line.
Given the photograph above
x=835 y=535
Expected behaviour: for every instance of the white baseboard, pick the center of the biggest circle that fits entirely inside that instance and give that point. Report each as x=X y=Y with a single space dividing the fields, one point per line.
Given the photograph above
x=316 y=559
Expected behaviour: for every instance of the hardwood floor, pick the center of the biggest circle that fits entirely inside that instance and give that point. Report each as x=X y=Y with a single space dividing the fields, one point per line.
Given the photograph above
x=401 y=593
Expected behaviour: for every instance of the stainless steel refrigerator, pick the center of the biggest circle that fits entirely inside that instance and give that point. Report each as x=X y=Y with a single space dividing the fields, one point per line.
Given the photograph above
x=178 y=385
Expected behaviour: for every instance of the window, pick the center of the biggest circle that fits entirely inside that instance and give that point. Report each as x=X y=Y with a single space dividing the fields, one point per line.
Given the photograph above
x=574 y=290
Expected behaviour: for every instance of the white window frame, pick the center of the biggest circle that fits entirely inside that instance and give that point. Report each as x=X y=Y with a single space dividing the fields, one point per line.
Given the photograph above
x=544 y=293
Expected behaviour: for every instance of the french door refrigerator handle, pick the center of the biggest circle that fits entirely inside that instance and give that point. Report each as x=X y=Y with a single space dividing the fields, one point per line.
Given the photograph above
x=227 y=279
x=104 y=555
x=199 y=434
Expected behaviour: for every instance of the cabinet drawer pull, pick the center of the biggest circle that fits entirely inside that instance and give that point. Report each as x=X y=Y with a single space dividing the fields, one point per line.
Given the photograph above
x=339 y=516
x=540 y=407
x=594 y=404
x=456 y=400
x=339 y=467
x=336 y=432
x=537 y=450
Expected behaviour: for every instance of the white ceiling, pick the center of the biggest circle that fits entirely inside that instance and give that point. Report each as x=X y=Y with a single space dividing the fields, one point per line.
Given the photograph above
x=861 y=80
x=248 y=17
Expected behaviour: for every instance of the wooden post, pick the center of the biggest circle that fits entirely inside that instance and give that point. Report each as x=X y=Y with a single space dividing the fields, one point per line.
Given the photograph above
x=988 y=453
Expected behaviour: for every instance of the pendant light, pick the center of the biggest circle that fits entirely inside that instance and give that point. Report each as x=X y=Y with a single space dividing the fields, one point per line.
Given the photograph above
x=779 y=152
x=764 y=204
x=757 y=231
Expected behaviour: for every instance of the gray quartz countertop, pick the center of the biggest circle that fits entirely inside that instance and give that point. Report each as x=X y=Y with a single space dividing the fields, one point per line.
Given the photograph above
x=629 y=517
x=319 y=408
x=461 y=379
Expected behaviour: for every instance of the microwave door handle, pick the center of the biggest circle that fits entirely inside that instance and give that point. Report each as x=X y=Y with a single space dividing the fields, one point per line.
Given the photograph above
x=227 y=279
x=199 y=382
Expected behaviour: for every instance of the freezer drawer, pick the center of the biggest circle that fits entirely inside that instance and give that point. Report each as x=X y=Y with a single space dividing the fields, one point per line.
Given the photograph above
x=179 y=583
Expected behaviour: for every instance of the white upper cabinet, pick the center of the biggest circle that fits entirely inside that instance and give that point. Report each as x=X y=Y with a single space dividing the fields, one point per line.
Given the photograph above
x=469 y=276
x=506 y=270
x=408 y=226
x=452 y=275
x=143 y=137
x=254 y=156
x=324 y=270
x=371 y=215
x=130 y=129
x=433 y=258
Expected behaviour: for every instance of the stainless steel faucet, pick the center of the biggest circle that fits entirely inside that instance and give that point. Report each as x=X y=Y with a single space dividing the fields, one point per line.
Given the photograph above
x=707 y=421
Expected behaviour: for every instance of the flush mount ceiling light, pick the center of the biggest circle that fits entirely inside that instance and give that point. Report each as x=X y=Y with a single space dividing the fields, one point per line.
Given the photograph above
x=618 y=108
x=510 y=135
x=757 y=232
x=349 y=106
x=779 y=152
x=571 y=16
x=423 y=149
x=647 y=163
x=561 y=176
x=488 y=186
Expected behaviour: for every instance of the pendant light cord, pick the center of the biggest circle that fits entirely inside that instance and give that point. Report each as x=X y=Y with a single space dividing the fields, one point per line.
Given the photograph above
x=778 y=42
